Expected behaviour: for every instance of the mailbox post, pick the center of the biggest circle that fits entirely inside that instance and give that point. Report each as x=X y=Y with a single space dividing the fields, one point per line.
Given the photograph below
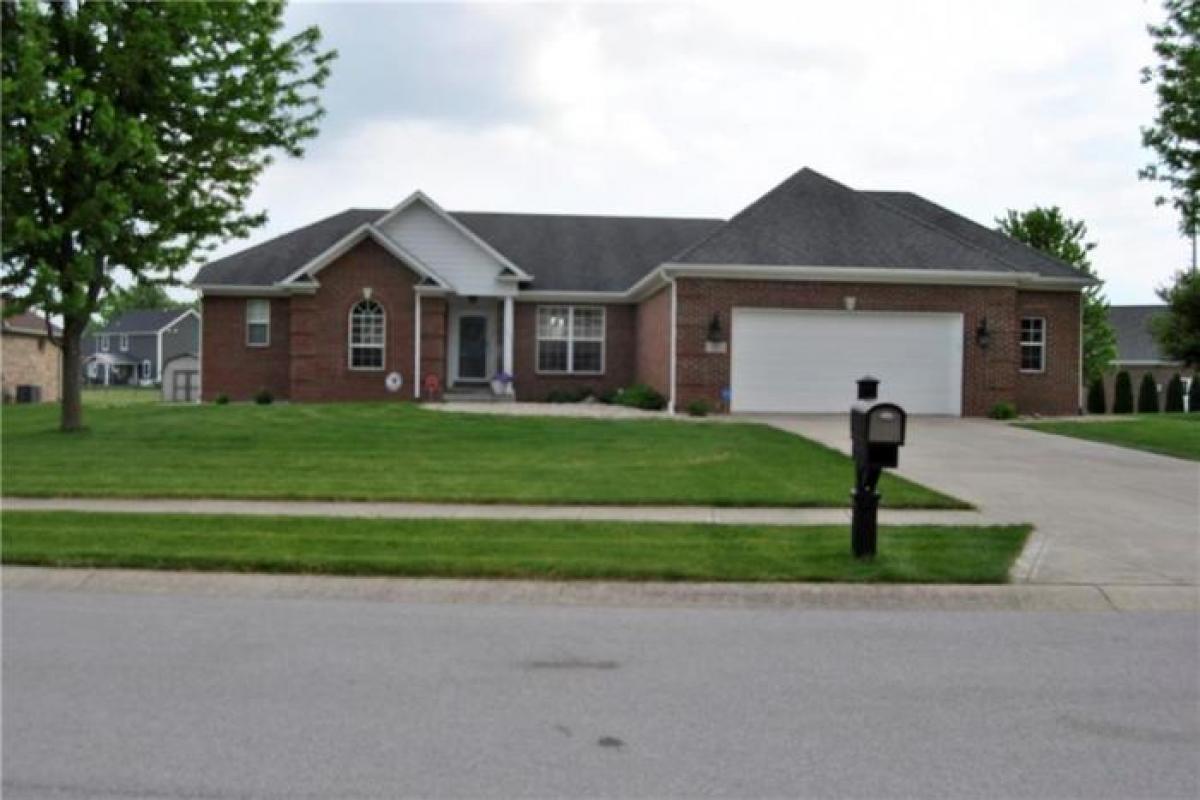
x=877 y=432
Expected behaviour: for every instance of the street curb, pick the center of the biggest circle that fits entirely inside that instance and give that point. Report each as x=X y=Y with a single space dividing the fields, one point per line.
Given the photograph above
x=793 y=596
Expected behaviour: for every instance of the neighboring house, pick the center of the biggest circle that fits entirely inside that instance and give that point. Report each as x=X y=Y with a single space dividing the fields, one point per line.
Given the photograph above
x=1138 y=352
x=30 y=358
x=133 y=348
x=777 y=310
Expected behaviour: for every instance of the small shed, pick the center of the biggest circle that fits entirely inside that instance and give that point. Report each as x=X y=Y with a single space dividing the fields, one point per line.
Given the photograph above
x=181 y=379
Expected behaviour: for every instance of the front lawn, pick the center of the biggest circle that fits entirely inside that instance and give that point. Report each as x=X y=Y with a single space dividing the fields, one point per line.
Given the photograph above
x=1167 y=434
x=394 y=451
x=105 y=396
x=506 y=549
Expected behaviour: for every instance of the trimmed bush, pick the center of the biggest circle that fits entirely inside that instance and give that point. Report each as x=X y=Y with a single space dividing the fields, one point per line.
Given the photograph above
x=1003 y=410
x=221 y=399
x=568 y=395
x=1095 y=398
x=641 y=396
x=1194 y=395
x=699 y=408
x=1123 y=394
x=1174 y=404
x=1147 y=395
x=264 y=397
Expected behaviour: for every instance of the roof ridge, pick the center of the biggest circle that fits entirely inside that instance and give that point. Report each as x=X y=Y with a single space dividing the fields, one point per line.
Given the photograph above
x=727 y=223
x=562 y=215
x=1011 y=239
x=866 y=194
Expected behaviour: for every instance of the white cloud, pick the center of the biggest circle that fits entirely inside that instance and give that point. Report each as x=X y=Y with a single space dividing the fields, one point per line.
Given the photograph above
x=686 y=109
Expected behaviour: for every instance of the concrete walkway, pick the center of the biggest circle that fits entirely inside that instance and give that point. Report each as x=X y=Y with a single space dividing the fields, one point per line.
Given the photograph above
x=702 y=514
x=1103 y=514
x=622 y=594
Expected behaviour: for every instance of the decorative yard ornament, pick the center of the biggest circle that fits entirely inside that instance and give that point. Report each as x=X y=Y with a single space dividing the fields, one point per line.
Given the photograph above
x=393 y=381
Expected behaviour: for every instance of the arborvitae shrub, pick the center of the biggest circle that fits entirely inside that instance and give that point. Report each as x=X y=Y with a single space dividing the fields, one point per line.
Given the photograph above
x=1095 y=399
x=1148 y=395
x=1174 y=404
x=1123 y=394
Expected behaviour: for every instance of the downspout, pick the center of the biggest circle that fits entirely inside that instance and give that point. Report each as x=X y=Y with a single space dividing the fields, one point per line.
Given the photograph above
x=417 y=349
x=674 y=334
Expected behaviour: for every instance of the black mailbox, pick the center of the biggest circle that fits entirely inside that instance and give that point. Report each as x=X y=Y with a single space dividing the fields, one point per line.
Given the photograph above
x=877 y=432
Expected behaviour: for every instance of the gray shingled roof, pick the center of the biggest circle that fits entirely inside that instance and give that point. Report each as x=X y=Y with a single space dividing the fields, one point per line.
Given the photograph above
x=807 y=220
x=562 y=252
x=142 y=320
x=29 y=323
x=1134 y=340
x=811 y=220
x=584 y=253
x=1019 y=254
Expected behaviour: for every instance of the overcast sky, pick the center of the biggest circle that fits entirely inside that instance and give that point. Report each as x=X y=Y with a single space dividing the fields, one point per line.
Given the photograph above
x=684 y=109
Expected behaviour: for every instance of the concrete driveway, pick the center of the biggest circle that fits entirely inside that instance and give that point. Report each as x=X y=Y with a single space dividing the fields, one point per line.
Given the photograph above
x=1104 y=514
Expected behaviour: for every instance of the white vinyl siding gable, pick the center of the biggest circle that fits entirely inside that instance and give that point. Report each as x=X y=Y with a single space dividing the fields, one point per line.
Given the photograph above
x=462 y=263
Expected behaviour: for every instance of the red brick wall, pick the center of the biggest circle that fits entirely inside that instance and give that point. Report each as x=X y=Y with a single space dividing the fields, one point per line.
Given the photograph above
x=233 y=368
x=620 y=354
x=433 y=341
x=988 y=376
x=320 y=323
x=1055 y=391
x=654 y=341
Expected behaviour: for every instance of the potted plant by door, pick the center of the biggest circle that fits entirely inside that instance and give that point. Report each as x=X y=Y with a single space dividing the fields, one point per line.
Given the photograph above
x=502 y=383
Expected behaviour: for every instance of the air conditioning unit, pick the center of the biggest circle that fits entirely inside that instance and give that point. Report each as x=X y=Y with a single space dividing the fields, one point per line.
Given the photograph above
x=27 y=393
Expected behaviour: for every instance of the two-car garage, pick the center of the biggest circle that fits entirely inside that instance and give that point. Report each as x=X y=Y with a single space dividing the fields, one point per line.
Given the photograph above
x=805 y=361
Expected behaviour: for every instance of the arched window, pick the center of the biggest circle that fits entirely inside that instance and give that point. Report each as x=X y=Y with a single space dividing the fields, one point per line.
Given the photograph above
x=367 y=326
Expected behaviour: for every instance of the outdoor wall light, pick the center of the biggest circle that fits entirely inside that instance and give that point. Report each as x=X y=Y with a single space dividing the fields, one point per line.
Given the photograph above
x=850 y=302
x=714 y=329
x=367 y=292
x=983 y=337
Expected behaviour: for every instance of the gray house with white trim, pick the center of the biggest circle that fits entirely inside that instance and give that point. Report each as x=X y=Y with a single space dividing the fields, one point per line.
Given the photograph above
x=134 y=347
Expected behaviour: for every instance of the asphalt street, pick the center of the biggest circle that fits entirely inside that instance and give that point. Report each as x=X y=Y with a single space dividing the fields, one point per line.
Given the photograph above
x=110 y=695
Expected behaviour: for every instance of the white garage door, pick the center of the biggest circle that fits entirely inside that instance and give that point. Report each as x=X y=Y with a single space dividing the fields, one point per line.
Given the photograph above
x=788 y=361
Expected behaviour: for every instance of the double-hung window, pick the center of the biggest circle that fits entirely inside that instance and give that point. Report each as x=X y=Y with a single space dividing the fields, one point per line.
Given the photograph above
x=258 y=322
x=145 y=365
x=1033 y=344
x=123 y=342
x=570 y=339
x=103 y=343
x=368 y=327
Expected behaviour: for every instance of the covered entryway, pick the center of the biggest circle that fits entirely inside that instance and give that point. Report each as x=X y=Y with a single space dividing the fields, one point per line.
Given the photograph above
x=806 y=362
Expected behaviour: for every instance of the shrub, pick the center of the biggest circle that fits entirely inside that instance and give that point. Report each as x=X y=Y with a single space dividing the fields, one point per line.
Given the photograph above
x=264 y=397
x=608 y=397
x=699 y=408
x=221 y=399
x=1174 y=404
x=1194 y=395
x=641 y=396
x=1095 y=397
x=1003 y=410
x=1123 y=394
x=1148 y=395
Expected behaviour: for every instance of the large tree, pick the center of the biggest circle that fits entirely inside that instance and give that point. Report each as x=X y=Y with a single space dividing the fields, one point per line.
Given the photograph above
x=1052 y=232
x=133 y=134
x=1178 y=328
x=1175 y=135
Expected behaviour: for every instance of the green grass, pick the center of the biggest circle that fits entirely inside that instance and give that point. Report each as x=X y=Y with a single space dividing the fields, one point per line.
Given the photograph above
x=394 y=451
x=1167 y=434
x=100 y=397
x=506 y=549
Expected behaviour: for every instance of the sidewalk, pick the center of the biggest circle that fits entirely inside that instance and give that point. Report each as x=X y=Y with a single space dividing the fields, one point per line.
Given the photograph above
x=794 y=596
x=391 y=510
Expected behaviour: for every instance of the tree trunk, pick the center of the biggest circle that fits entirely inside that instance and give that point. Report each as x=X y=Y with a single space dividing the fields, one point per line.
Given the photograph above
x=72 y=376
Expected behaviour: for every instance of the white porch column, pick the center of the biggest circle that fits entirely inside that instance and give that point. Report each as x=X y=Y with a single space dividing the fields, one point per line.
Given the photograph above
x=508 y=337
x=417 y=349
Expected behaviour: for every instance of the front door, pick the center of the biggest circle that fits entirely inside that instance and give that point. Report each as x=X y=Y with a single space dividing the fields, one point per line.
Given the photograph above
x=472 y=347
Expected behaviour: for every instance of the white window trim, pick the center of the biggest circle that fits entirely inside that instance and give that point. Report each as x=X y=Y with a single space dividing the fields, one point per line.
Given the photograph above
x=250 y=301
x=570 y=340
x=123 y=342
x=103 y=342
x=382 y=347
x=1022 y=344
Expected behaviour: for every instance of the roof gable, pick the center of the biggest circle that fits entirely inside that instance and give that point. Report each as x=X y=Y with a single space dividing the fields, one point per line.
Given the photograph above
x=1135 y=341
x=144 y=320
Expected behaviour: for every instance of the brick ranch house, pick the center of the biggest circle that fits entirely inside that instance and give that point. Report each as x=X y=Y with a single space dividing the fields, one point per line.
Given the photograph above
x=778 y=309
